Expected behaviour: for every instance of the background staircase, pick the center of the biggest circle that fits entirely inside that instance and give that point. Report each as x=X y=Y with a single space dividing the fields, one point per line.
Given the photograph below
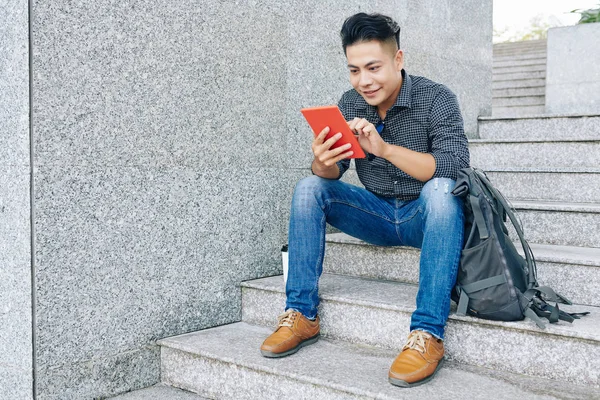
x=548 y=167
x=519 y=78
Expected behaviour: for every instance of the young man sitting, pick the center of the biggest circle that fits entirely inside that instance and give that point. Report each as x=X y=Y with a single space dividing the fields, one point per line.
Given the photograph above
x=412 y=130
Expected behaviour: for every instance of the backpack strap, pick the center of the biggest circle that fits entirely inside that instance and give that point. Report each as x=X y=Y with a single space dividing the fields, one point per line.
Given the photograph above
x=551 y=295
x=533 y=316
x=552 y=313
x=478 y=217
x=534 y=307
x=466 y=290
x=532 y=278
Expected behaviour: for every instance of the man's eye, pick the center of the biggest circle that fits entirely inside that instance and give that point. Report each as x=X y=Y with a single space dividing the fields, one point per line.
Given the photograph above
x=374 y=68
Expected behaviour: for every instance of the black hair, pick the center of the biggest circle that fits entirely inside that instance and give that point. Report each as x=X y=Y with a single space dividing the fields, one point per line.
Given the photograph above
x=363 y=27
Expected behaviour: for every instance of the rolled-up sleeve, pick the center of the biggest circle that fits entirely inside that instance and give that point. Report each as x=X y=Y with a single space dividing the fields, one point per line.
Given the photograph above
x=449 y=145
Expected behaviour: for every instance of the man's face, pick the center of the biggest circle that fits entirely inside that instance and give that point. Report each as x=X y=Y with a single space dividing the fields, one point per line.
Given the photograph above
x=375 y=72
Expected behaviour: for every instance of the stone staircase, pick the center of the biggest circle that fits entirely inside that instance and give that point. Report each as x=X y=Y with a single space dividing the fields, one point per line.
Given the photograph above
x=547 y=165
x=519 y=78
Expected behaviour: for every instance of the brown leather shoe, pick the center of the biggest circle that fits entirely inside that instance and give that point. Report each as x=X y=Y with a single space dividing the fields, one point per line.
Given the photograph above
x=294 y=331
x=420 y=359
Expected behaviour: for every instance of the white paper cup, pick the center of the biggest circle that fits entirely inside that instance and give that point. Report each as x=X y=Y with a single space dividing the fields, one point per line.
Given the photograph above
x=284 y=262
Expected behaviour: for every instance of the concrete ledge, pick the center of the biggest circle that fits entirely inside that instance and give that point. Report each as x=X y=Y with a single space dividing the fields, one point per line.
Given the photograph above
x=543 y=252
x=532 y=153
x=224 y=362
x=540 y=127
x=159 y=392
x=516 y=111
x=572 y=271
x=559 y=185
x=558 y=223
x=378 y=313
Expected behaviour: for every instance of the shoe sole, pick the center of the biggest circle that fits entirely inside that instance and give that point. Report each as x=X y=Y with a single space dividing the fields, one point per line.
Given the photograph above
x=404 y=384
x=306 y=342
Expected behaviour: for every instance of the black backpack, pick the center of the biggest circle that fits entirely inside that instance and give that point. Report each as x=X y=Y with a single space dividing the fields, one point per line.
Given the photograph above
x=494 y=281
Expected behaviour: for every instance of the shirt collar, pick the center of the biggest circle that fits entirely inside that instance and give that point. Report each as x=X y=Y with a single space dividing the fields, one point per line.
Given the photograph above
x=403 y=100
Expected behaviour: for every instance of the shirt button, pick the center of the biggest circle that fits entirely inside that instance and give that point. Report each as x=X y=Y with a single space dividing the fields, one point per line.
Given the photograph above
x=395 y=182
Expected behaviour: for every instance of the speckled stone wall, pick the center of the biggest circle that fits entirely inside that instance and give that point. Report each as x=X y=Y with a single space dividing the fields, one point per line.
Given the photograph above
x=16 y=379
x=167 y=142
x=573 y=70
x=160 y=179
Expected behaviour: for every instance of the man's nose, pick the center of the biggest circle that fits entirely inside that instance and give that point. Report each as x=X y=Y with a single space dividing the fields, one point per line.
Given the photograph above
x=365 y=79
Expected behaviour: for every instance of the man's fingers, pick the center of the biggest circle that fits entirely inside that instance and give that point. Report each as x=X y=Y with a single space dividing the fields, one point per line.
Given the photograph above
x=326 y=154
x=358 y=125
x=352 y=124
x=362 y=124
x=330 y=157
x=330 y=142
x=321 y=136
x=341 y=157
x=336 y=151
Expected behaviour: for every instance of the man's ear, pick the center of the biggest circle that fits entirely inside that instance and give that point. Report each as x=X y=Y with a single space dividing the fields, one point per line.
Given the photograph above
x=399 y=60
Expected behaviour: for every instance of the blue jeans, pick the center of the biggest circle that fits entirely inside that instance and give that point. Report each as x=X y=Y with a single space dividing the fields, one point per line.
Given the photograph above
x=433 y=223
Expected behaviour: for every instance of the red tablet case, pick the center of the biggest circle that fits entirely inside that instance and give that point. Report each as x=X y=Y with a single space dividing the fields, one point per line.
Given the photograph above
x=320 y=117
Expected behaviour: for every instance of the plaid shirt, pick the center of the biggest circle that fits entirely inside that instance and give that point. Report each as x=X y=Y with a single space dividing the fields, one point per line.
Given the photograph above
x=425 y=118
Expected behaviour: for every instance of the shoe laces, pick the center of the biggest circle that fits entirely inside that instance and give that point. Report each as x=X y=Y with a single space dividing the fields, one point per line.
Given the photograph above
x=287 y=318
x=416 y=341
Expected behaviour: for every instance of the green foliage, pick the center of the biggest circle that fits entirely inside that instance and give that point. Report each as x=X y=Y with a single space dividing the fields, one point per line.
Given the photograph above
x=588 y=16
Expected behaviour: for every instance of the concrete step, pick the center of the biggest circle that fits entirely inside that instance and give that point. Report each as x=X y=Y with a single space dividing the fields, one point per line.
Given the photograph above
x=533 y=53
x=519 y=92
x=522 y=43
x=513 y=69
x=224 y=363
x=519 y=101
x=546 y=127
x=518 y=76
x=516 y=52
x=538 y=55
x=560 y=223
x=525 y=44
x=519 y=83
x=498 y=52
x=517 y=111
x=572 y=271
x=159 y=392
x=504 y=62
x=377 y=313
x=554 y=184
x=514 y=153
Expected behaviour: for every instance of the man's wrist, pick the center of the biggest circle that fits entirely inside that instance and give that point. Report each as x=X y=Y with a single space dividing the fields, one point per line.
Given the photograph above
x=325 y=171
x=318 y=168
x=386 y=151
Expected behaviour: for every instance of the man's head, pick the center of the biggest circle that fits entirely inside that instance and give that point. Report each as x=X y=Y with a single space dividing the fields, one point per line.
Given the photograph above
x=375 y=63
x=363 y=27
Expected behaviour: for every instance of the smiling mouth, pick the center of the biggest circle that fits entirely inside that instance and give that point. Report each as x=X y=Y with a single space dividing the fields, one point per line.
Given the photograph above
x=370 y=92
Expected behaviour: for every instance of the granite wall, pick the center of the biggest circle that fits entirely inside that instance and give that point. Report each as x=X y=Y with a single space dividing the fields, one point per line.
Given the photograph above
x=167 y=141
x=573 y=70
x=15 y=251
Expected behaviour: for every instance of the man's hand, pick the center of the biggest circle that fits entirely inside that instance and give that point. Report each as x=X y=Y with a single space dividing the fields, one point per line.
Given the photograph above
x=367 y=136
x=325 y=156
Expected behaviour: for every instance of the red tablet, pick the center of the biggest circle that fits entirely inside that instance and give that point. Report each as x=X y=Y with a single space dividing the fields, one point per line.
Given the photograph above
x=320 y=117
